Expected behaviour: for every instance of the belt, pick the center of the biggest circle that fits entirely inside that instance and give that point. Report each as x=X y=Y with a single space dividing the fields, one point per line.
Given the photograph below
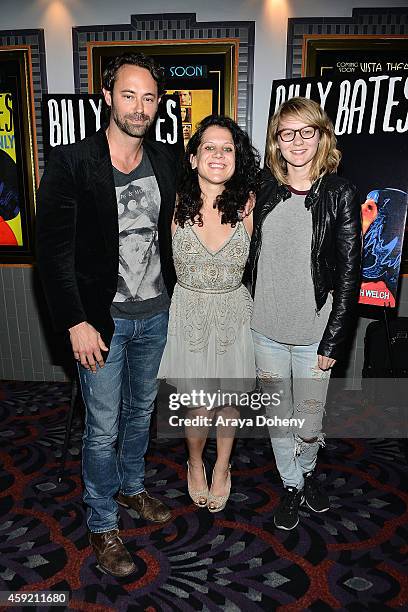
x=209 y=290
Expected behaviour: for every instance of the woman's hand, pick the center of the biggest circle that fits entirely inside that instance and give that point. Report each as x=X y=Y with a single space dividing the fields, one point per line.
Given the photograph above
x=325 y=363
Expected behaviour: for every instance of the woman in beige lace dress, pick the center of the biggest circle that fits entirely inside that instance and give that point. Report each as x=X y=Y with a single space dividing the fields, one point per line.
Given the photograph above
x=209 y=343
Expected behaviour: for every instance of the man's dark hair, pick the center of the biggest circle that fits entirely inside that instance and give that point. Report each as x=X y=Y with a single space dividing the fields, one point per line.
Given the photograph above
x=133 y=59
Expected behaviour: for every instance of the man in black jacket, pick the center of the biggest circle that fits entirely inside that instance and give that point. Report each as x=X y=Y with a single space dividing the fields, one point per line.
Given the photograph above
x=105 y=206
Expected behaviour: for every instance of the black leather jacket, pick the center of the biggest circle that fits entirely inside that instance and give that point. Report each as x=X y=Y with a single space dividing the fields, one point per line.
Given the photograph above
x=335 y=249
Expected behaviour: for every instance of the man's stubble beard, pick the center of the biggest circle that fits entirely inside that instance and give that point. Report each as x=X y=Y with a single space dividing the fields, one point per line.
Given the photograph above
x=136 y=131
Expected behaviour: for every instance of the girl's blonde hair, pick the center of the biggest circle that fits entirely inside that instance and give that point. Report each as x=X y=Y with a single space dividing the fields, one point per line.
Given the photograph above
x=327 y=156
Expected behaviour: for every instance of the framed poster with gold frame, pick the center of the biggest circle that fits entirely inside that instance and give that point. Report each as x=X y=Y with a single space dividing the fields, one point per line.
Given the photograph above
x=337 y=55
x=18 y=156
x=203 y=72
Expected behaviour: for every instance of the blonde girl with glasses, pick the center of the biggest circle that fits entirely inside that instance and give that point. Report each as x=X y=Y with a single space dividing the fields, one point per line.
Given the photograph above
x=304 y=271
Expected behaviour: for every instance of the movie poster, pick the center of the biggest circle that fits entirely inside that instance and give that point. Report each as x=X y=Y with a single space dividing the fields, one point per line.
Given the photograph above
x=370 y=118
x=195 y=105
x=68 y=118
x=383 y=221
x=10 y=218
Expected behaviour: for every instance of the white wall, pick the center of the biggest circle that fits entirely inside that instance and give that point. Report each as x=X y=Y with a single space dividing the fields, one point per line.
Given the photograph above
x=57 y=17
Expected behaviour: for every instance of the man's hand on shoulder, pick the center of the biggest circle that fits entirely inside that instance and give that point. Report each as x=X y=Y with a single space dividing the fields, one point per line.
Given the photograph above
x=250 y=204
x=87 y=344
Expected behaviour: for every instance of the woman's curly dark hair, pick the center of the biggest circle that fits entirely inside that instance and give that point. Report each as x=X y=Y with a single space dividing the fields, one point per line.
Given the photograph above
x=237 y=189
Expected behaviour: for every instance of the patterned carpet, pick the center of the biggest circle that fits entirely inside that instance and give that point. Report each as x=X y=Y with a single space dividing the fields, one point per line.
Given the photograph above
x=353 y=557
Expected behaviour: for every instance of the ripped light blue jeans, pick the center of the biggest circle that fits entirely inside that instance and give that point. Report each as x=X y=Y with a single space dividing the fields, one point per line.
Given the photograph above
x=292 y=371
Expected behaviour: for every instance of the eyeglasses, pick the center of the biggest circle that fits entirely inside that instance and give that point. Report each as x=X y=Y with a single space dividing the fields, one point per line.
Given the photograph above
x=306 y=132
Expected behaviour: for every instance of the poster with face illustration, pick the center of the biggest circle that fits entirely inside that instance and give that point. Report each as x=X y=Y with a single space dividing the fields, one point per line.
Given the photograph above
x=195 y=104
x=370 y=118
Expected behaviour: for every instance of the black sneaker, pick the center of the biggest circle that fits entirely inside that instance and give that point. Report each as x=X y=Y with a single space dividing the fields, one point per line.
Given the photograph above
x=315 y=497
x=287 y=512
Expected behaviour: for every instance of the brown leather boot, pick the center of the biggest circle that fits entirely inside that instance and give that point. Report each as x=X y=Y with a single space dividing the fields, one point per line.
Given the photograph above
x=149 y=508
x=111 y=553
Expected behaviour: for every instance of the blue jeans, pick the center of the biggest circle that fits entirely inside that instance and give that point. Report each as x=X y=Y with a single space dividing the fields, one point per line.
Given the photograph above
x=293 y=370
x=119 y=401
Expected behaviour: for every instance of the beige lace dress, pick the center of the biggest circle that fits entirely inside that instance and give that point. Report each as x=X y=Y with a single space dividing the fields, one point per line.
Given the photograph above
x=209 y=333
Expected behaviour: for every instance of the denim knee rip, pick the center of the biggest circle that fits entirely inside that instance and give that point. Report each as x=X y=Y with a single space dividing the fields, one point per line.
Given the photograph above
x=310 y=406
x=301 y=445
x=267 y=377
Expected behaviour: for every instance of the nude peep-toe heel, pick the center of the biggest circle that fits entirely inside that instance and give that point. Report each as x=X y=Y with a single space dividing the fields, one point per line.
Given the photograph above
x=198 y=496
x=219 y=501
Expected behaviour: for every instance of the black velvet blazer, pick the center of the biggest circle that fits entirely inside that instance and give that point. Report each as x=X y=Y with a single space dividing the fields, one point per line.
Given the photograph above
x=78 y=230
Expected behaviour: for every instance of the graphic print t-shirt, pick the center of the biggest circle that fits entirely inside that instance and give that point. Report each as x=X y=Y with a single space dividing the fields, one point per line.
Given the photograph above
x=141 y=291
